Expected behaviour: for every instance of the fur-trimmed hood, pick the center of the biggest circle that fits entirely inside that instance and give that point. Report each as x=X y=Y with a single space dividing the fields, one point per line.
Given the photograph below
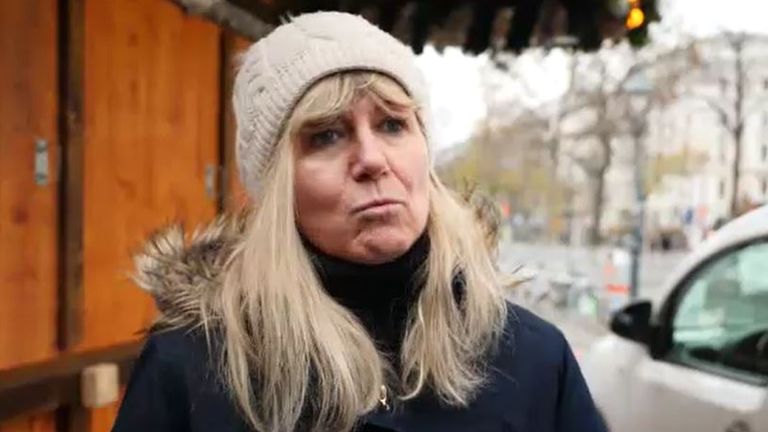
x=181 y=270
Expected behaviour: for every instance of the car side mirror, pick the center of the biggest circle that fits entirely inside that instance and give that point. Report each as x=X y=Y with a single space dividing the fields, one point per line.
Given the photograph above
x=633 y=322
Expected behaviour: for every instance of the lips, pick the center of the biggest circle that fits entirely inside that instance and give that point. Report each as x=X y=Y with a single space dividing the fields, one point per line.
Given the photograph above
x=373 y=204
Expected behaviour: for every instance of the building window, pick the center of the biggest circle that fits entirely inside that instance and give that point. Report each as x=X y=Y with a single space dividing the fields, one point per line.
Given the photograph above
x=722 y=189
x=764 y=186
x=764 y=152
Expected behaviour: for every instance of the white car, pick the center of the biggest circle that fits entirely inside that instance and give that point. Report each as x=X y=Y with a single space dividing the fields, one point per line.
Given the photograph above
x=699 y=361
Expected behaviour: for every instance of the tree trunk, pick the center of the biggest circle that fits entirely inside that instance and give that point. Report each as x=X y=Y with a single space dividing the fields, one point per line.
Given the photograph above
x=737 y=44
x=593 y=235
x=736 y=170
x=598 y=192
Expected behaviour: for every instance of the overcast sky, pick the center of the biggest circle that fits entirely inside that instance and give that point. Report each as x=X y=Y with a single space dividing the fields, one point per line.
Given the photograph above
x=456 y=80
x=704 y=17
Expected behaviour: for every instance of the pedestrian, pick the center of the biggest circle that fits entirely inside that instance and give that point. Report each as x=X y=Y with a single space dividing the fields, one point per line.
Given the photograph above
x=359 y=292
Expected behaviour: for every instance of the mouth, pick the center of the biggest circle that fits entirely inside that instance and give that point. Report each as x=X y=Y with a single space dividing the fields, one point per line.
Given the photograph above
x=375 y=204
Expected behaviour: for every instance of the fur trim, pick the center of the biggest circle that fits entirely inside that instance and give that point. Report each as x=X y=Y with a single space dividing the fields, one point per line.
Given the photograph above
x=182 y=271
x=179 y=271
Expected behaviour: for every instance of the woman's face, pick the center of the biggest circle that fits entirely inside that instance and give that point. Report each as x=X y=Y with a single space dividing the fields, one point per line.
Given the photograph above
x=361 y=182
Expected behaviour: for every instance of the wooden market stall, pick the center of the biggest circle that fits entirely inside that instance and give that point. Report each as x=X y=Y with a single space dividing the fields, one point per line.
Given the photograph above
x=114 y=120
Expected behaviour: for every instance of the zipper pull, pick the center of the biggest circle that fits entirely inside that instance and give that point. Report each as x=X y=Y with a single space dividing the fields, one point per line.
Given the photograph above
x=383 y=398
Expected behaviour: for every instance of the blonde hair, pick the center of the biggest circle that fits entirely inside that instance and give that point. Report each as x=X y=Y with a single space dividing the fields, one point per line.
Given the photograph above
x=290 y=347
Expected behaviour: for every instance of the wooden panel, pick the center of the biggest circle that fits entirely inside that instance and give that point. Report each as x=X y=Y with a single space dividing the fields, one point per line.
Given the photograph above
x=35 y=423
x=235 y=196
x=73 y=418
x=151 y=133
x=55 y=383
x=28 y=214
x=70 y=316
x=103 y=418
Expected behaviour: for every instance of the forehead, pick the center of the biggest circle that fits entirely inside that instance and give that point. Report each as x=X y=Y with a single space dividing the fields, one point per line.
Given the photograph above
x=365 y=103
x=362 y=104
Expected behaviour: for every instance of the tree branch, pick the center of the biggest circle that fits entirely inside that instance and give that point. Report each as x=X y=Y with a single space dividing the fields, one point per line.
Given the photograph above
x=586 y=164
x=227 y=15
x=721 y=112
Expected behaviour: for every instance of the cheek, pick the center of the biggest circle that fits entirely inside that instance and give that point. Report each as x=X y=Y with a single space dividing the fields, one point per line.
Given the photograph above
x=421 y=195
x=316 y=195
x=415 y=176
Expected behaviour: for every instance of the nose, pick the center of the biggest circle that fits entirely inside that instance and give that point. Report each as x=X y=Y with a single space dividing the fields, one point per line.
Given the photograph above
x=370 y=160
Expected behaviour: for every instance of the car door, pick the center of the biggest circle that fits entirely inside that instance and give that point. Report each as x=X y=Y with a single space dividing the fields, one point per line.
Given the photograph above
x=713 y=373
x=762 y=417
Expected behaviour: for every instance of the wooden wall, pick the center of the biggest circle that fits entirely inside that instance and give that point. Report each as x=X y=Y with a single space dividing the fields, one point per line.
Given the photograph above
x=36 y=423
x=28 y=236
x=235 y=197
x=155 y=137
x=151 y=135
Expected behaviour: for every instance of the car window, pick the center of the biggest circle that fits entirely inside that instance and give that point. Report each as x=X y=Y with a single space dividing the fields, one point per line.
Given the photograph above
x=721 y=322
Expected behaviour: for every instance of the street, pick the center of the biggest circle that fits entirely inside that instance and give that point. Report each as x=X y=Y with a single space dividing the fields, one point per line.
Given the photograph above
x=540 y=263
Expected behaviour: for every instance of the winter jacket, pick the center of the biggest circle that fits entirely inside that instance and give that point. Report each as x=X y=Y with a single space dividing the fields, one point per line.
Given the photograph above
x=534 y=383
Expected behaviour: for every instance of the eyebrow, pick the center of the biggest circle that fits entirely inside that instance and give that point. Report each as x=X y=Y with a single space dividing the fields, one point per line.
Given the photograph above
x=328 y=120
x=319 y=123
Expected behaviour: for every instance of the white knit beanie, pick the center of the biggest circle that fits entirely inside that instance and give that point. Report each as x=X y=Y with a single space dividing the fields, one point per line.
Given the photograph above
x=278 y=69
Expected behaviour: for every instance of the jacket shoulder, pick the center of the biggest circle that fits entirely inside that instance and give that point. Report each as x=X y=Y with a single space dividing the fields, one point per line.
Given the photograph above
x=531 y=345
x=546 y=368
x=184 y=348
x=172 y=385
x=534 y=331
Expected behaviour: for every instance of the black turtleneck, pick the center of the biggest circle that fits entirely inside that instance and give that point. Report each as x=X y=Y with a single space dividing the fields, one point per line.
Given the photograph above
x=379 y=295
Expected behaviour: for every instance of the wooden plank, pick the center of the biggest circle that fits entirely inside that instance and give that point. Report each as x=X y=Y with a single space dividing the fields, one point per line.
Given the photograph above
x=28 y=233
x=234 y=196
x=73 y=418
x=70 y=317
x=55 y=383
x=151 y=116
x=70 y=415
x=101 y=419
x=44 y=422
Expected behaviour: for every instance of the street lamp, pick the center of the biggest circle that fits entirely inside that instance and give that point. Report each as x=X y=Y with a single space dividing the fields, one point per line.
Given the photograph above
x=639 y=88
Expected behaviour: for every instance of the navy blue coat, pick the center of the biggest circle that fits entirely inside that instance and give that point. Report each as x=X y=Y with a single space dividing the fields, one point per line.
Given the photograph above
x=535 y=385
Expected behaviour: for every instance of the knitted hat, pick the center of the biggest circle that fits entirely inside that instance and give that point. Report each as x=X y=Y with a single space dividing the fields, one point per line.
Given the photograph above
x=278 y=69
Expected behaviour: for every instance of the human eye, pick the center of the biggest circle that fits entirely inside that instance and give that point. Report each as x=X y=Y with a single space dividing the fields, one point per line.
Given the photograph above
x=392 y=125
x=324 y=138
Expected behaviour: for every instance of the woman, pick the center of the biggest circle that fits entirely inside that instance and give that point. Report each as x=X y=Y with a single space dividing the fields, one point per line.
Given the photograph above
x=359 y=293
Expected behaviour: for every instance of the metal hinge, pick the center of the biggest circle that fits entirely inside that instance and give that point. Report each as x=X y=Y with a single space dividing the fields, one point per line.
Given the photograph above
x=211 y=181
x=42 y=161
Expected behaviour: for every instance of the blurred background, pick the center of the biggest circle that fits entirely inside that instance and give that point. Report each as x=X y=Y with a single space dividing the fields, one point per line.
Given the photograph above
x=616 y=137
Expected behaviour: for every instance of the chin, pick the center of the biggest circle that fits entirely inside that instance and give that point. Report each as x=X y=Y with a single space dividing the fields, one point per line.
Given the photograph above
x=383 y=245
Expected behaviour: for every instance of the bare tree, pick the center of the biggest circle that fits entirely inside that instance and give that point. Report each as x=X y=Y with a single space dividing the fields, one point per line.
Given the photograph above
x=599 y=107
x=735 y=63
x=538 y=125
x=592 y=105
x=611 y=106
